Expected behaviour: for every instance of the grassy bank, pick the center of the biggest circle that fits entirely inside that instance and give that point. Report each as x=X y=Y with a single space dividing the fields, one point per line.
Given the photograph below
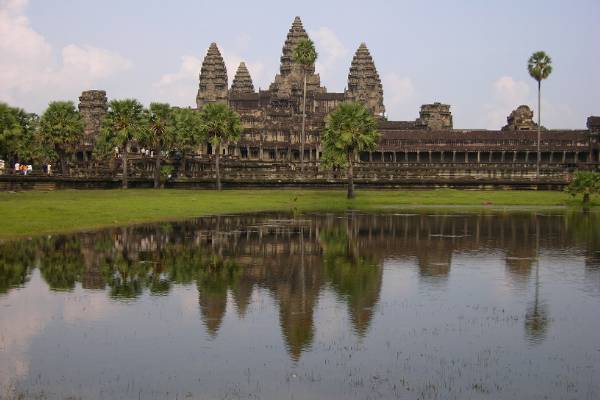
x=36 y=212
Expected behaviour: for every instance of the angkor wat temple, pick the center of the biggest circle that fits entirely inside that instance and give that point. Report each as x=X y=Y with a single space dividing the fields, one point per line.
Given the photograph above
x=427 y=149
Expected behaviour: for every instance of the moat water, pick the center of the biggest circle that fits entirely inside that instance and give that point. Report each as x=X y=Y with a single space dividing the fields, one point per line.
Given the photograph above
x=409 y=305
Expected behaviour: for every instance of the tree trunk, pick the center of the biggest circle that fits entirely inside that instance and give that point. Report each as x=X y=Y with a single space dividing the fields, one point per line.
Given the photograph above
x=302 y=138
x=124 y=161
x=64 y=168
x=539 y=135
x=157 y=168
x=350 y=176
x=586 y=199
x=217 y=171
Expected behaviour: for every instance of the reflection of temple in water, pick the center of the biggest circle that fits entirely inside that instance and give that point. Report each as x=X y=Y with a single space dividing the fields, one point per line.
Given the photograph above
x=294 y=260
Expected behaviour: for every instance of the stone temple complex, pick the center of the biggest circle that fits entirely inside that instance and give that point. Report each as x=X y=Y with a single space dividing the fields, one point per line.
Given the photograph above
x=272 y=118
x=427 y=149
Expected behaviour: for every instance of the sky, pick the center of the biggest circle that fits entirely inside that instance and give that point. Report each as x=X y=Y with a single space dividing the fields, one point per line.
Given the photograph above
x=469 y=54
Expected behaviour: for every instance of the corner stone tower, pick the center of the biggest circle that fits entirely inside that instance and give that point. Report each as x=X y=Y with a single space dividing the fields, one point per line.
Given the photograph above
x=364 y=84
x=93 y=106
x=213 y=78
x=242 y=82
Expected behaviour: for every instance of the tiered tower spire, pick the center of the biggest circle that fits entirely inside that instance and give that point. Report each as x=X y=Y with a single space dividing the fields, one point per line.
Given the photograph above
x=364 y=84
x=213 y=78
x=294 y=36
x=242 y=82
x=288 y=83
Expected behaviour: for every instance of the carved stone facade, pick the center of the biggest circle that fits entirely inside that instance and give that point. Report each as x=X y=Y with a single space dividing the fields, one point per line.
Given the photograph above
x=93 y=105
x=520 y=119
x=435 y=116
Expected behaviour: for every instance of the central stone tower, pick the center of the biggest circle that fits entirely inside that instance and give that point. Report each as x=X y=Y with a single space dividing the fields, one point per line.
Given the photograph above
x=289 y=81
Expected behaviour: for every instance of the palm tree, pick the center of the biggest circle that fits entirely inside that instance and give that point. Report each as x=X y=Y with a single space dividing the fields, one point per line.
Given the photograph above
x=220 y=124
x=349 y=129
x=188 y=131
x=160 y=134
x=540 y=68
x=124 y=121
x=61 y=128
x=305 y=55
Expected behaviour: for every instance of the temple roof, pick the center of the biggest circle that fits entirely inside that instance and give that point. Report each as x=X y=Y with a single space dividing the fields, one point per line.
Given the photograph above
x=242 y=82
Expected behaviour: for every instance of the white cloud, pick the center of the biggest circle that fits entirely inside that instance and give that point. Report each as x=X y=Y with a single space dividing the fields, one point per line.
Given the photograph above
x=507 y=94
x=332 y=55
x=399 y=97
x=179 y=88
x=29 y=74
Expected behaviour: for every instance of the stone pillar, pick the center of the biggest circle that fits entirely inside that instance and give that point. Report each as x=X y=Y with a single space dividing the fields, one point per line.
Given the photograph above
x=453 y=156
x=441 y=156
x=370 y=157
x=564 y=157
x=502 y=157
x=526 y=157
x=490 y=157
x=430 y=156
x=478 y=156
x=514 y=156
x=466 y=156
x=395 y=157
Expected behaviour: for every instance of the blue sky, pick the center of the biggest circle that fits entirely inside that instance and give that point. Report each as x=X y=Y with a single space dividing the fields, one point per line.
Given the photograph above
x=470 y=54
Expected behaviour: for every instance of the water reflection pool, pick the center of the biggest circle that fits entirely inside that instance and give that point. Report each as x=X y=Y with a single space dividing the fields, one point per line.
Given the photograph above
x=271 y=306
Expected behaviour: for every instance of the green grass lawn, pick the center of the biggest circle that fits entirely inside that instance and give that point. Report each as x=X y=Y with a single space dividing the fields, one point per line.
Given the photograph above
x=36 y=212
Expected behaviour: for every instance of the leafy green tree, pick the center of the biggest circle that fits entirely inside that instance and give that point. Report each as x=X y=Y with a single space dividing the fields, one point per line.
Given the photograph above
x=585 y=183
x=124 y=122
x=188 y=131
x=220 y=124
x=61 y=129
x=19 y=139
x=540 y=68
x=349 y=129
x=159 y=134
x=304 y=54
x=10 y=132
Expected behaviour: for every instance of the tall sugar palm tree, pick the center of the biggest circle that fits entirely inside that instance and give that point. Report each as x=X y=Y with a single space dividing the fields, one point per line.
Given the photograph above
x=61 y=128
x=540 y=68
x=124 y=121
x=220 y=124
x=304 y=54
x=349 y=129
x=188 y=132
x=160 y=134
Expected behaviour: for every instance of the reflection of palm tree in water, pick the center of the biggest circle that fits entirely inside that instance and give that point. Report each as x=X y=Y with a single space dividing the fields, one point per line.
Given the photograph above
x=356 y=279
x=536 y=318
